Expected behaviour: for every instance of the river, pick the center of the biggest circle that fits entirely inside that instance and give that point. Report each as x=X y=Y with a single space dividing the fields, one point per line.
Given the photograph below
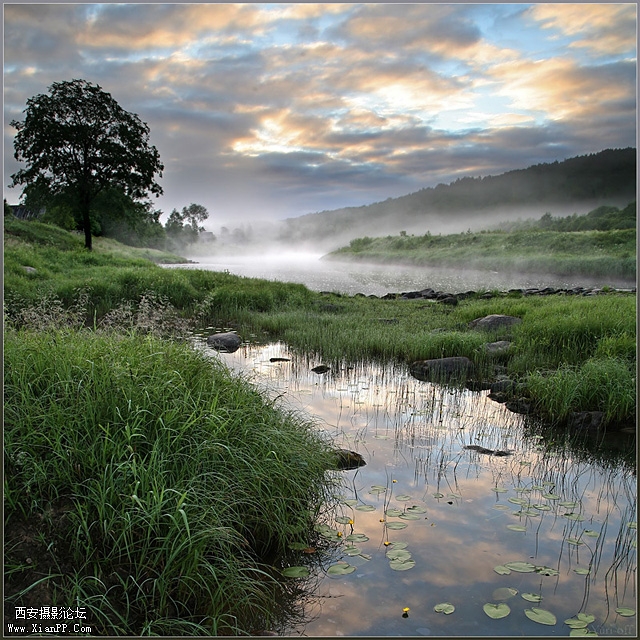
x=374 y=279
x=431 y=538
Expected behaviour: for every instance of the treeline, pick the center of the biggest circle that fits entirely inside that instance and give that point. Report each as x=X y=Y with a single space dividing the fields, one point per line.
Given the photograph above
x=602 y=218
x=608 y=176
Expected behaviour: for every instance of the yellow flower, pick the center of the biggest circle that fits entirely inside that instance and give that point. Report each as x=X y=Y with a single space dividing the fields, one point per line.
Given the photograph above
x=387 y=543
x=406 y=610
x=350 y=521
x=394 y=481
x=381 y=519
x=339 y=534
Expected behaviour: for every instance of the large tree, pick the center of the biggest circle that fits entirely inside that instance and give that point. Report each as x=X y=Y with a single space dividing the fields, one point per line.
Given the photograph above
x=78 y=141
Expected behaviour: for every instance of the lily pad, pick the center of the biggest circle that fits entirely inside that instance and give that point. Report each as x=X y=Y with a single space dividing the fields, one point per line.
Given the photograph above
x=542 y=507
x=396 y=526
x=340 y=569
x=520 y=501
x=377 y=489
x=438 y=495
x=516 y=527
x=632 y=525
x=403 y=498
x=551 y=496
x=402 y=565
x=500 y=489
x=574 y=541
x=502 y=570
x=444 y=607
x=541 y=616
x=521 y=567
x=568 y=504
x=357 y=537
x=591 y=533
x=582 y=633
x=531 y=597
x=410 y=516
x=626 y=612
x=351 y=502
x=504 y=593
x=416 y=509
x=573 y=516
x=501 y=507
x=351 y=550
x=365 y=507
x=580 y=621
x=295 y=572
x=399 y=545
x=393 y=512
x=496 y=611
x=547 y=571
x=398 y=554
x=581 y=571
x=343 y=519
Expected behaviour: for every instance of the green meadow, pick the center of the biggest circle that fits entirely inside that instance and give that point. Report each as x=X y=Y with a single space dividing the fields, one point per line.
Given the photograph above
x=158 y=489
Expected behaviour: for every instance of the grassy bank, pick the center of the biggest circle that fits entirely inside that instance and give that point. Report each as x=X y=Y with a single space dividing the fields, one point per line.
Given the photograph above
x=151 y=482
x=586 y=253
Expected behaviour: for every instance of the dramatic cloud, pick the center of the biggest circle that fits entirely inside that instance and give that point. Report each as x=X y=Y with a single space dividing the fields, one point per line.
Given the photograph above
x=279 y=110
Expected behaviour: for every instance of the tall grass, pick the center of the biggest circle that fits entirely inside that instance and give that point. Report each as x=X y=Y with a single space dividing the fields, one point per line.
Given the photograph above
x=174 y=478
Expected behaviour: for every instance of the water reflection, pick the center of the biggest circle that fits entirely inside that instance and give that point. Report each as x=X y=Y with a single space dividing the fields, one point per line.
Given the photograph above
x=572 y=517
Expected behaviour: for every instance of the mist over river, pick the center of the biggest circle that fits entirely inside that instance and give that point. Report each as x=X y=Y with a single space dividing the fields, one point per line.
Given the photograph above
x=378 y=279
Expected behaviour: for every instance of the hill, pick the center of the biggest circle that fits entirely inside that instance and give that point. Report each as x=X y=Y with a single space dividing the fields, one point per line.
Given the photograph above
x=578 y=184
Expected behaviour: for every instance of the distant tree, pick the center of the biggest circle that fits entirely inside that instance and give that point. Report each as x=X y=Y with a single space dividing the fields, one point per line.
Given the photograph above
x=8 y=211
x=77 y=142
x=182 y=228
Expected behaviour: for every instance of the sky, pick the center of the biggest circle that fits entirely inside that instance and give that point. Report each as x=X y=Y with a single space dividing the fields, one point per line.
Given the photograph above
x=270 y=111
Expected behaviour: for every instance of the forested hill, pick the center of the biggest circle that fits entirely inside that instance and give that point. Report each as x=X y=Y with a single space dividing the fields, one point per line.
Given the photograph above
x=575 y=185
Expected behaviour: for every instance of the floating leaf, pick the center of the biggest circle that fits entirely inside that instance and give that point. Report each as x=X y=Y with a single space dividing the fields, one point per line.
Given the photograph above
x=454 y=495
x=582 y=571
x=625 y=612
x=580 y=621
x=521 y=567
x=568 y=504
x=393 y=512
x=330 y=533
x=551 y=496
x=402 y=565
x=531 y=597
x=351 y=550
x=365 y=507
x=403 y=498
x=340 y=569
x=542 y=507
x=522 y=490
x=357 y=537
x=516 y=527
x=396 y=525
x=547 y=571
x=632 y=525
x=574 y=541
x=583 y=633
x=398 y=554
x=343 y=519
x=591 y=533
x=529 y=513
x=496 y=611
x=416 y=509
x=504 y=593
x=501 y=507
x=444 y=607
x=399 y=545
x=573 y=516
x=377 y=489
x=500 y=489
x=502 y=570
x=541 y=616
x=351 y=502
x=410 y=516
x=520 y=501
x=295 y=572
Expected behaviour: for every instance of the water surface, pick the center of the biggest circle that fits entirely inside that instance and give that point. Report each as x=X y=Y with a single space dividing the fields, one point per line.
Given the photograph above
x=569 y=514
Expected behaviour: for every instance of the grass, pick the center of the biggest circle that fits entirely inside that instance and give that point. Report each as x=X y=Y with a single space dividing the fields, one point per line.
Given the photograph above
x=163 y=480
x=589 y=253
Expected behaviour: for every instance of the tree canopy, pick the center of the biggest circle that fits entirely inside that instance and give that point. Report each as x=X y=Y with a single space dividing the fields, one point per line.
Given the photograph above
x=78 y=142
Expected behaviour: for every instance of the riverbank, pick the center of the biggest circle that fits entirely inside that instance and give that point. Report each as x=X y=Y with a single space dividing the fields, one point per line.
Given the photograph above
x=609 y=253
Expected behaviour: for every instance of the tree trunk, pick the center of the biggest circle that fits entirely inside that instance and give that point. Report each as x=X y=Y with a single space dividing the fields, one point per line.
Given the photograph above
x=85 y=206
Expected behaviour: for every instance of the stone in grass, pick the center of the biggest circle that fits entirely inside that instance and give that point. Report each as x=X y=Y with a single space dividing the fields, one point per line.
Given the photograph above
x=226 y=342
x=493 y=322
x=442 y=369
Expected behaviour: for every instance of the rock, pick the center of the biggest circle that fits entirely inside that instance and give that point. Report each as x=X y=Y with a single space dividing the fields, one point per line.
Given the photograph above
x=30 y=270
x=497 y=348
x=520 y=405
x=450 y=300
x=489 y=452
x=442 y=369
x=493 y=322
x=279 y=359
x=225 y=342
x=586 y=420
x=346 y=459
x=504 y=386
x=321 y=368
